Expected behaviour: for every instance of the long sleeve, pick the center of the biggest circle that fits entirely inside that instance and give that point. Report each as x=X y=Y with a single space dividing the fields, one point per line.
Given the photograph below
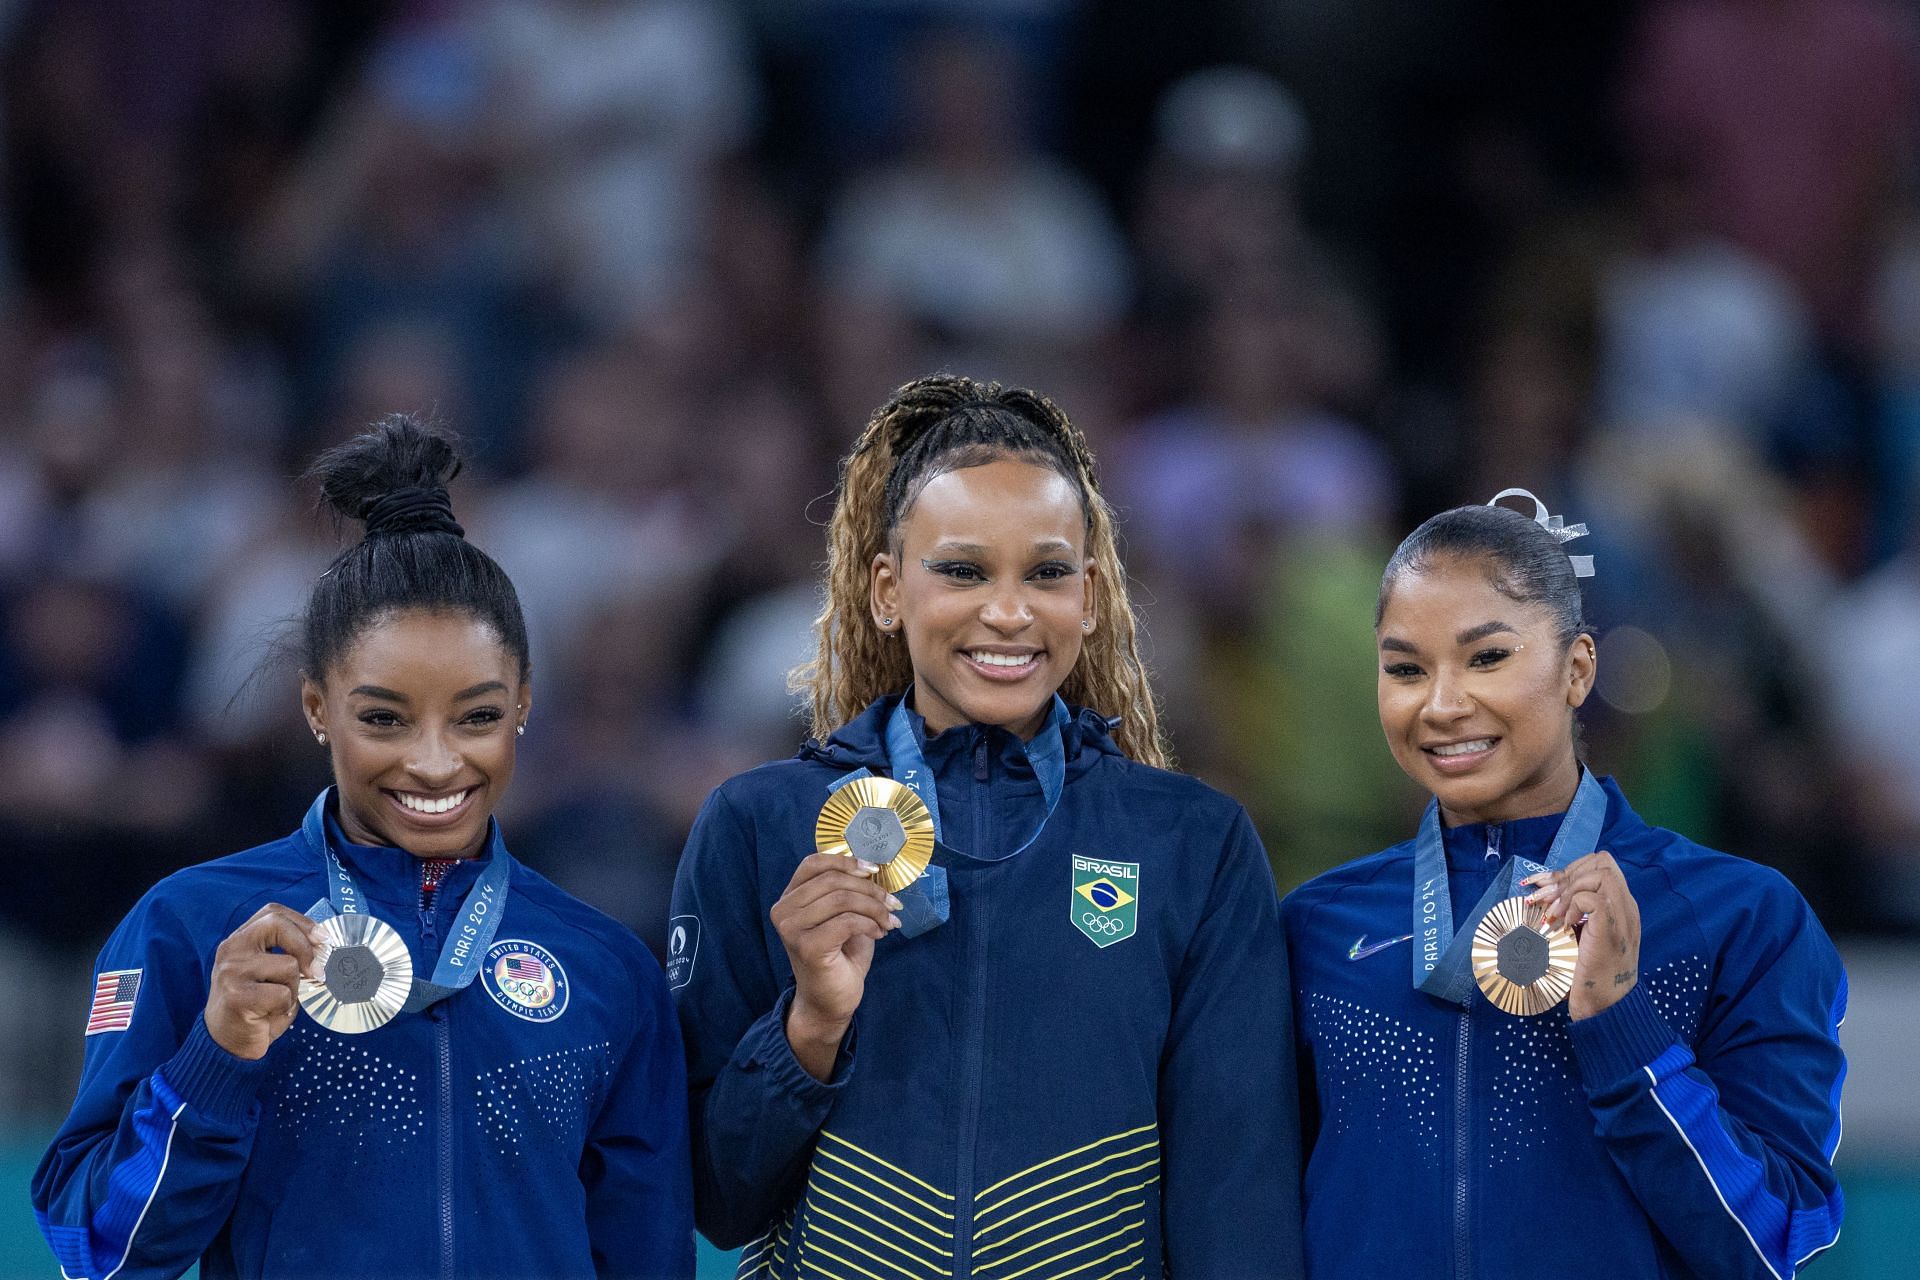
x=1230 y=1125
x=145 y=1171
x=639 y=1203
x=1728 y=1143
x=755 y=1111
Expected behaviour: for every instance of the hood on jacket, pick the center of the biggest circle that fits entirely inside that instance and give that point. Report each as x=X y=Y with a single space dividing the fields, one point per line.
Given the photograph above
x=862 y=741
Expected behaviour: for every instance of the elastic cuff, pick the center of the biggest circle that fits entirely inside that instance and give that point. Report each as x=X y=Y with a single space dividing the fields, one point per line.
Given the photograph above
x=773 y=1052
x=1620 y=1041
x=214 y=1083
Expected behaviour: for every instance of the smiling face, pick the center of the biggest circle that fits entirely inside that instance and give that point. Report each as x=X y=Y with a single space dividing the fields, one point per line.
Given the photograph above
x=1477 y=694
x=990 y=584
x=420 y=714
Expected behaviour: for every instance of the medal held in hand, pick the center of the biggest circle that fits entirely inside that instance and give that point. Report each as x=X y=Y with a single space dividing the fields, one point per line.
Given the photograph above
x=880 y=821
x=1523 y=965
x=365 y=975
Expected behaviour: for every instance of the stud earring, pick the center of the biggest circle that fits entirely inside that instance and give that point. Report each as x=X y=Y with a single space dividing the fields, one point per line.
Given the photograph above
x=520 y=731
x=1086 y=624
x=320 y=736
x=886 y=624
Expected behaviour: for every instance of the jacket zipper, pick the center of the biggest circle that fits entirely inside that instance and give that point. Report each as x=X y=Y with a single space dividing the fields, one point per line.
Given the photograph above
x=974 y=1029
x=443 y=1058
x=1462 y=1255
x=1463 y=1118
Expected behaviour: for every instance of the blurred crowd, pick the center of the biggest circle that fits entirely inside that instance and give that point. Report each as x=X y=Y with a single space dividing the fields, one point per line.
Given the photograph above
x=1305 y=274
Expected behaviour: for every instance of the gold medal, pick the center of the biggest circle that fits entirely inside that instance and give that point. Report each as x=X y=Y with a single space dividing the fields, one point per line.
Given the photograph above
x=1523 y=965
x=365 y=975
x=881 y=821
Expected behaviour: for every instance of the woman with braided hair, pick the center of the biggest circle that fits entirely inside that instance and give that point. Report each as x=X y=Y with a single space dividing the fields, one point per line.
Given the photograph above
x=974 y=985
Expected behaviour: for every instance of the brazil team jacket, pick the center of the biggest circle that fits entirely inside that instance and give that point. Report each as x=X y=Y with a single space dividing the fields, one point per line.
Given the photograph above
x=1040 y=1087
x=507 y=1131
x=1687 y=1131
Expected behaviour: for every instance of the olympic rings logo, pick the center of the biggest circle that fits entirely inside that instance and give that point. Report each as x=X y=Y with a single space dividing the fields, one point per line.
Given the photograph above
x=1102 y=924
x=531 y=994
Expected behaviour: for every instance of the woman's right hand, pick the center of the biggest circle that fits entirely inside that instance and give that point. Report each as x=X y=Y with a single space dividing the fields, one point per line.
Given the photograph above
x=828 y=919
x=255 y=993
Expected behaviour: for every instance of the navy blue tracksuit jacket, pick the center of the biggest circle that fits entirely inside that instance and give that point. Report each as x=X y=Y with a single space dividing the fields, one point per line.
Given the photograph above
x=1053 y=1083
x=1687 y=1131
x=517 y=1131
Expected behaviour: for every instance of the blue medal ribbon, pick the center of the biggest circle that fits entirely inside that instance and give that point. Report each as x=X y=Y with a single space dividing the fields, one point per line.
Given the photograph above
x=479 y=920
x=1442 y=957
x=926 y=903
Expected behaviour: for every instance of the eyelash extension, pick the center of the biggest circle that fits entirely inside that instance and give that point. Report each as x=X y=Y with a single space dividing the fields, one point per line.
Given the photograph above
x=1058 y=569
x=953 y=569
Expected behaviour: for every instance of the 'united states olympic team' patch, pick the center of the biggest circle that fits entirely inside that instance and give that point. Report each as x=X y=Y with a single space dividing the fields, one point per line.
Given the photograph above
x=524 y=979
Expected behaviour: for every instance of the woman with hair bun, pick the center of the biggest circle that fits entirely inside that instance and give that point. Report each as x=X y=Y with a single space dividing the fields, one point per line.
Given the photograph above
x=974 y=986
x=380 y=1046
x=1543 y=1037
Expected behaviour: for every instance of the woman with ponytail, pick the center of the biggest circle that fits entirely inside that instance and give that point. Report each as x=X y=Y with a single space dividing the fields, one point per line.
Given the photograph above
x=974 y=986
x=1541 y=1037
x=381 y=1046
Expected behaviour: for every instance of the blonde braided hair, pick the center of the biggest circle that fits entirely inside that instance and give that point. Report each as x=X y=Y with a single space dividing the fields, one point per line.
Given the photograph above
x=854 y=663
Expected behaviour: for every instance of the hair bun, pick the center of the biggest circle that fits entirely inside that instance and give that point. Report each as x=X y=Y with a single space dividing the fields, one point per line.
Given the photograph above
x=393 y=478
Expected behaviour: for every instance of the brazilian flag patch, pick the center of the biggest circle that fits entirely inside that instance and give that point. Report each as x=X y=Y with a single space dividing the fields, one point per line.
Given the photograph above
x=1106 y=899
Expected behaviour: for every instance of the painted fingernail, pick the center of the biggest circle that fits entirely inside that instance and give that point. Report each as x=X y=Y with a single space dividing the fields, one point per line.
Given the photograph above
x=893 y=922
x=864 y=867
x=893 y=902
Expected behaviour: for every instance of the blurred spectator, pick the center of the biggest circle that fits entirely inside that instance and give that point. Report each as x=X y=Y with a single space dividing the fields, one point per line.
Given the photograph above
x=1251 y=457
x=604 y=519
x=92 y=751
x=392 y=220
x=1793 y=117
x=984 y=242
x=771 y=471
x=1218 y=199
x=191 y=480
x=857 y=62
x=1693 y=328
x=609 y=116
x=1875 y=706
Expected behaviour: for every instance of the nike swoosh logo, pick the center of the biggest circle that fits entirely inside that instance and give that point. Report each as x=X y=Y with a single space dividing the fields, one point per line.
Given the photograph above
x=1360 y=949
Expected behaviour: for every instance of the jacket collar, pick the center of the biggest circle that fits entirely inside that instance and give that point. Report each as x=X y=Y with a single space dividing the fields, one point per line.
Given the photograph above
x=385 y=873
x=862 y=741
x=1467 y=845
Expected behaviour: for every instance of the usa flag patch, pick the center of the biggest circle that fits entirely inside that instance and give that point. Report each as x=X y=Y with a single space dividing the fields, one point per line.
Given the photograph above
x=113 y=997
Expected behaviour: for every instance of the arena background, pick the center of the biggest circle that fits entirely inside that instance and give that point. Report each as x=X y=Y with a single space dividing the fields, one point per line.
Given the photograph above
x=1305 y=270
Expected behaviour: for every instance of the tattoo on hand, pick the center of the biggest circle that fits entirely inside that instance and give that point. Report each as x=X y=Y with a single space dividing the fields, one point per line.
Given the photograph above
x=1622 y=978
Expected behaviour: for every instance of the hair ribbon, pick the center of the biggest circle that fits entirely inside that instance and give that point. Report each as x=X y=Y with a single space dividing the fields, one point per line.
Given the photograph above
x=1557 y=526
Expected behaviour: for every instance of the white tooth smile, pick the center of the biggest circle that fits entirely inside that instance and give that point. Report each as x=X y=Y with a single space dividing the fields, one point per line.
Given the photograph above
x=1463 y=748
x=421 y=804
x=1002 y=659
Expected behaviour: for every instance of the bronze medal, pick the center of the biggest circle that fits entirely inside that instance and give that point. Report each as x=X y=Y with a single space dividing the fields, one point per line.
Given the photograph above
x=1522 y=964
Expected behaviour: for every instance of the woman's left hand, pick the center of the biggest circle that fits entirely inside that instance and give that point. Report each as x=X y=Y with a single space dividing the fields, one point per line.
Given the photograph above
x=1592 y=894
